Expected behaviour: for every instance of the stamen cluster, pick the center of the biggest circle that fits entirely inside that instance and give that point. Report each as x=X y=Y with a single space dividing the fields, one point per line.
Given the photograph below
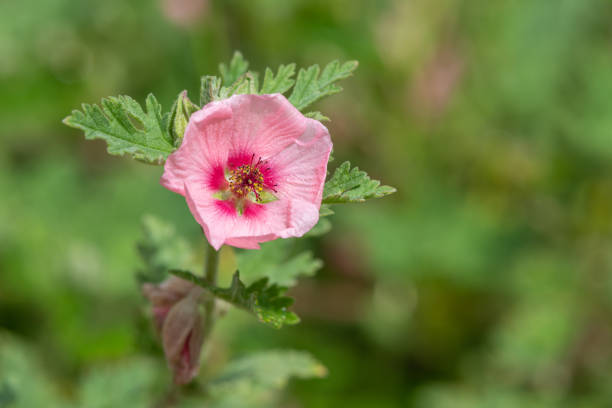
x=246 y=179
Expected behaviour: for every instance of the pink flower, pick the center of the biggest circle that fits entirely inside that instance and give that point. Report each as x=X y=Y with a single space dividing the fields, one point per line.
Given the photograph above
x=185 y=13
x=252 y=169
x=177 y=318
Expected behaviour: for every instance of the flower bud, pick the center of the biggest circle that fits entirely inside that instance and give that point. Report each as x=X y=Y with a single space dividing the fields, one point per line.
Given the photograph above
x=178 y=321
x=179 y=117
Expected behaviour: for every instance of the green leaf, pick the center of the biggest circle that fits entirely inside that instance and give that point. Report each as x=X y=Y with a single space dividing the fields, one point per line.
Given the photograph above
x=306 y=89
x=310 y=86
x=134 y=384
x=264 y=301
x=257 y=377
x=282 y=82
x=246 y=84
x=323 y=227
x=275 y=262
x=238 y=66
x=127 y=128
x=161 y=249
x=210 y=88
x=318 y=116
x=7 y=395
x=149 y=136
x=325 y=211
x=23 y=383
x=352 y=186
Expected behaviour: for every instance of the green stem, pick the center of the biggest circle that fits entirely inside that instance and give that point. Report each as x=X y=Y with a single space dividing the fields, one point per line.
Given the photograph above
x=210 y=276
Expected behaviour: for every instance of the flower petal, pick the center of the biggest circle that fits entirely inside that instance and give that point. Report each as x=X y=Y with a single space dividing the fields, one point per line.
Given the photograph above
x=205 y=146
x=302 y=166
x=219 y=224
x=281 y=218
x=264 y=124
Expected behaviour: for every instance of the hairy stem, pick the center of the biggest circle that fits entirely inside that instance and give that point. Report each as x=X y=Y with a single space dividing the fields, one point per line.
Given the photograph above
x=210 y=276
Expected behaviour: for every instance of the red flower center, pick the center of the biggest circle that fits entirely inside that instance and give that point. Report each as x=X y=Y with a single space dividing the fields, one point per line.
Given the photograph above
x=246 y=179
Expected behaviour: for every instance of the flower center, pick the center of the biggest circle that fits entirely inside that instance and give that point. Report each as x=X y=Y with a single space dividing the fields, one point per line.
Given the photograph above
x=247 y=179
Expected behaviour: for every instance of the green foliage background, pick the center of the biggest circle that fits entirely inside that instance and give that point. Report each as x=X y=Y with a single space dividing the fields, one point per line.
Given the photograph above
x=486 y=281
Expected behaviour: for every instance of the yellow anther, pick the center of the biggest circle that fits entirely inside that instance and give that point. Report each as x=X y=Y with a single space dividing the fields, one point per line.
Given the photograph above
x=246 y=179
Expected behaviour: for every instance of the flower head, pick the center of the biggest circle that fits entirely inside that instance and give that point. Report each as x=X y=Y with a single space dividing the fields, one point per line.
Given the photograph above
x=177 y=318
x=252 y=169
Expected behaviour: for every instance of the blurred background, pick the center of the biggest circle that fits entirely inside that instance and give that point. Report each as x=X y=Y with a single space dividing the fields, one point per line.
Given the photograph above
x=486 y=281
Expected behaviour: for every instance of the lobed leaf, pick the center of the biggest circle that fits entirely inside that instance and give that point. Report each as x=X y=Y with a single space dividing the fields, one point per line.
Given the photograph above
x=321 y=228
x=127 y=128
x=310 y=86
x=318 y=116
x=161 y=249
x=7 y=395
x=265 y=301
x=245 y=84
x=134 y=383
x=150 y=136
x=325 y=211
x=275 y=262
x=256 y=375
x=22 y=380
x=282 y=82
x=210 y=88
x=238 y=66
x=352 y=186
